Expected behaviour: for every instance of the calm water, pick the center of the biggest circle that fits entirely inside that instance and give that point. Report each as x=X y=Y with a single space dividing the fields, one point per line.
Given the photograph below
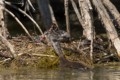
x=66 y=74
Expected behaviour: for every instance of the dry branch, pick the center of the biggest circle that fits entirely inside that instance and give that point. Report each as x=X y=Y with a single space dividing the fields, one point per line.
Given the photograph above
x=19 y=23
x=77 y=12
x=2 y=20
x=3 y=30
x=43 y=55
x=87 y=18
x=9 y=46
x=52 y=15
x=110 y=28
x=112 y=9
x=87 y=26
x=31 y=5
x=23 y=12
x=66 y=5
x=39 y=55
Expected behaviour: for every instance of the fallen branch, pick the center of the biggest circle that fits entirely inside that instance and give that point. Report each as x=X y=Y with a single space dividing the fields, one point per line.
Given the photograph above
x=105 y=57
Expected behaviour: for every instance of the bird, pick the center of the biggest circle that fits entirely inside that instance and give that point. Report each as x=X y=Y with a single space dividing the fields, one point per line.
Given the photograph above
x=58 y=35
x=63 y=36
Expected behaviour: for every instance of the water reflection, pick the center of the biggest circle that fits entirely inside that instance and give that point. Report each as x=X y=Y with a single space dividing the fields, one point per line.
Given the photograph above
x=107 y=74
x=66 y=74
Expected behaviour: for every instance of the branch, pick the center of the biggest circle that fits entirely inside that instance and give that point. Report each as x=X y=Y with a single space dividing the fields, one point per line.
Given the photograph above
x=109 y=26
x=52 y=15
x=23 y=12
x=9 y=46
x=66 y=5
x=113 y=10
x=19 y=22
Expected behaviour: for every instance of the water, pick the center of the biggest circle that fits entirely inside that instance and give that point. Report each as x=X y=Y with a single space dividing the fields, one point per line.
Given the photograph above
x=62 y=74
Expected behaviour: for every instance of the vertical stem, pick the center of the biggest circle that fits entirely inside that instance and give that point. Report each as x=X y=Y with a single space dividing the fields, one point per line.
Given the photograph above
x=66 y=5
x=91 y=51
x=53 y=16
x=2 y=22
x=87 y=18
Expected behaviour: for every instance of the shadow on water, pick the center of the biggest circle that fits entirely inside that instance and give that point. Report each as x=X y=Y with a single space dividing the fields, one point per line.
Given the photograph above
x=61 y=74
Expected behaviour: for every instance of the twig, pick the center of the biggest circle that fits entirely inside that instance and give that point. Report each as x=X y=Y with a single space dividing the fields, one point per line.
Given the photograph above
x=43 y=55
x=29 y=2
x=91 y=50
x=78 y=47
x=5 y=60
x=40 y=55
x=105 y=57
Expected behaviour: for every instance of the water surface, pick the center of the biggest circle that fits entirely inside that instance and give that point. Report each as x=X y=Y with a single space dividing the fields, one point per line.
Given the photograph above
x=61 y=74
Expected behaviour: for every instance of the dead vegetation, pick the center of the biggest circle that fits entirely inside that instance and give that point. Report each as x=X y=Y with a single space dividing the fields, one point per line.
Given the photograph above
x=53 y=46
